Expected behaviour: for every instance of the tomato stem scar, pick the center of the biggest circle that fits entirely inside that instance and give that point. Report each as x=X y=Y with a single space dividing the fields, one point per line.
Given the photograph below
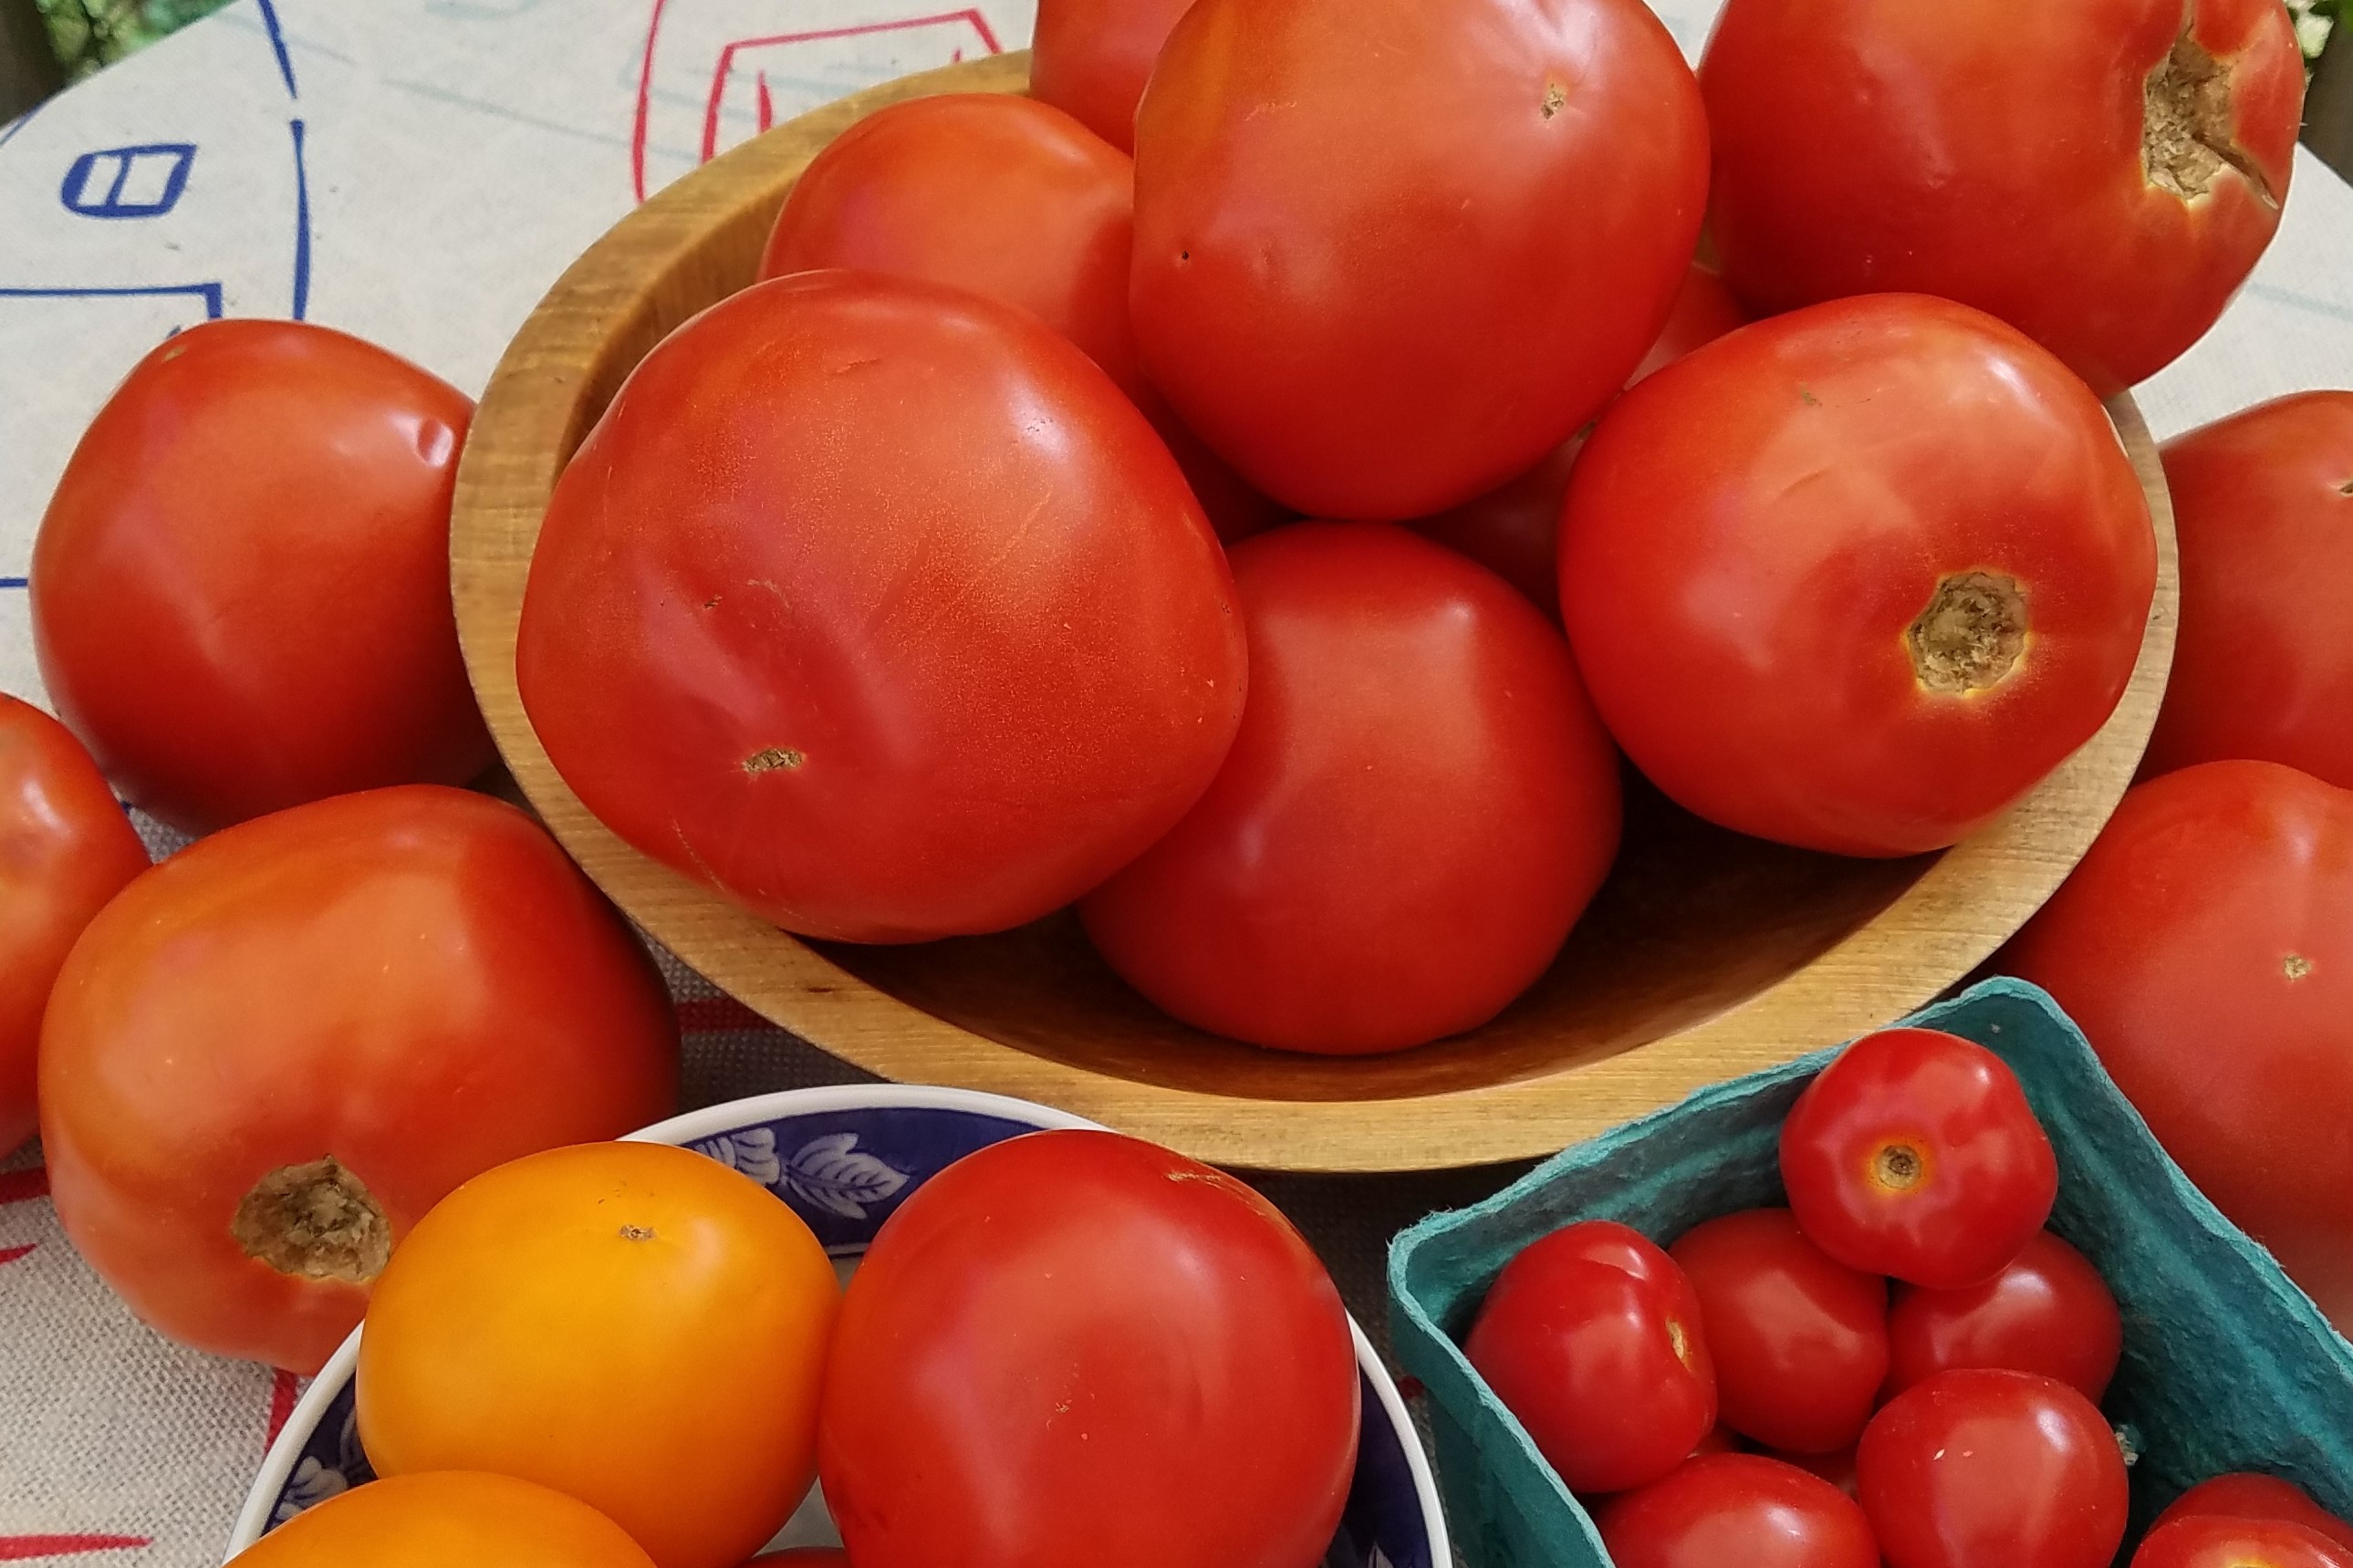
x=1897 y=1166
x=1970 y=635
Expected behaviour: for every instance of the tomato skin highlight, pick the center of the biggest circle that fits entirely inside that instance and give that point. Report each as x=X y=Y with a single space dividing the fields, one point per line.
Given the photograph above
x=2216 y=1541
x=2240 y=1495
x=2049 y=1312
x=1744 y=1508
x=452 y=1519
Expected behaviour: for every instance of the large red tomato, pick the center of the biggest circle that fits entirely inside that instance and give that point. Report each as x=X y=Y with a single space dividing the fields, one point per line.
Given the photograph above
x=273 y=1052
x=2205 y=946
x=65 y=849
x=1856 y=578
x=241 y=591
x=1389 y=253
x=1072 y=1350
x=1089 y=58
x=1419 y=804
x=2101 y=175
x=874 y=605
x=2263 y=505
x=1744 y=1510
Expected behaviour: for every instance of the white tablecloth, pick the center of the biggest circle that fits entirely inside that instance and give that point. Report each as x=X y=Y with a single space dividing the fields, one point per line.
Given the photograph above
x=418 y=171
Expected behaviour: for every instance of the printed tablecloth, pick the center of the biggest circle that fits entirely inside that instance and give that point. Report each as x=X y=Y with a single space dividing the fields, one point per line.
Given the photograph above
x=418 y=171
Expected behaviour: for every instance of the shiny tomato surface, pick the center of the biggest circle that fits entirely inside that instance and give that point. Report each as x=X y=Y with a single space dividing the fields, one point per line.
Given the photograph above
x=2241 y=1495
x=875 y=606
x=453 y=1519
x=1089 y=58
x=2212 y=1541
x=241 y=591
x=1858 y=577
x=274 y=1051
x=1737 y=1508
x=2100 y=174
x=2049 y=1311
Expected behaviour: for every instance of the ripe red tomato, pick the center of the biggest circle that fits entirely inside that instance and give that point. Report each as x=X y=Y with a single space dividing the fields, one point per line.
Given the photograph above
x=274 y=1051
x=874 y=605
x=2049 y=1312
x=2220 y=1542
x=2245 y=1496
x=1419 y=804
x=65 y=849
x=1390 y=253
x=241 y=591
x=1591 y=1336
x=2205 y=947
x=1915 y=1155
x=1073 y=1349
x=1089 y=58
x=2101 y=176
x=1858 y=577
x=2264 y=669
x=1982 y=1468
x=1799 y=1340
x=1744 y=1509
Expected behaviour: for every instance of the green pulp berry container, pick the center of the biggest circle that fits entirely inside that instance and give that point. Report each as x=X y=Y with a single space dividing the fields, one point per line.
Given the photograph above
x=2227 y=1366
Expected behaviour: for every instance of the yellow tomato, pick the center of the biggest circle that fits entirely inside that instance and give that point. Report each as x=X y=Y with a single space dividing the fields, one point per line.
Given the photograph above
x=631 y=1323
x=448 y=1519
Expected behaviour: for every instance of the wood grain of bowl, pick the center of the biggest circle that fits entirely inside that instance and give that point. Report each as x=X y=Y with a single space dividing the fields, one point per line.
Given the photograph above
x=1706 y=955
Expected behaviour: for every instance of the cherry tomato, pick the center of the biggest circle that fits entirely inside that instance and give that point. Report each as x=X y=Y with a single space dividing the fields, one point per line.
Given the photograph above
x=1915 y=1155
x=1799 y=1342
x=65 y=849
x=454 y=1519
x=241 y=591
x=1089 y=58
x=2049 y=1311
x=1592 y=1337
x=2262 y=502
x=1419 y=804
x=2101 y=175
x=575 y=1317
x=1743 y=1508
x=874 y=605
x=2244 y=1496
x=2205 y=947
x=2220 y=1542
x=1071 y=1349
x=1856 y=578
x=1983 y=1468
x=273 y=1052
x=1390 y=253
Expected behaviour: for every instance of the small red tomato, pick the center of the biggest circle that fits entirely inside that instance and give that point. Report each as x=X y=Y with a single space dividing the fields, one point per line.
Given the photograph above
x=1799 y=1340
x=2220 y=1541
x=2049 y=1311
x=1981 y=1469
x=1089 y=58
x=1726 y=1510
x=2241 y=1495
x=1592 y=1337
x=1915 y=1155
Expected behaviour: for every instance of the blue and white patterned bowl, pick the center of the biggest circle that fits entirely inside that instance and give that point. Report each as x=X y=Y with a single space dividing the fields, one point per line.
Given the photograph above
x=845 y=1158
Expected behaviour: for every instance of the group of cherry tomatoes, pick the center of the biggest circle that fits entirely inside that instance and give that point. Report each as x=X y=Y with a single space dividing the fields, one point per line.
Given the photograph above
x=1067 y=1350
x=1919 y=1362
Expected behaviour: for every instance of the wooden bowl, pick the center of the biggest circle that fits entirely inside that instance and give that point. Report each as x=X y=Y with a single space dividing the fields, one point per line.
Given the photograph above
x=1706 y=955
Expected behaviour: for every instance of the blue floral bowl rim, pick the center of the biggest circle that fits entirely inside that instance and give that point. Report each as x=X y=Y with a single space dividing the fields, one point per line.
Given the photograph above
x=712 y=1122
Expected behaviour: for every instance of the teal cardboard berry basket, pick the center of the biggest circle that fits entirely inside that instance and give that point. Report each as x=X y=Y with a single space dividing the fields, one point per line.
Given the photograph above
x=2227 y=1366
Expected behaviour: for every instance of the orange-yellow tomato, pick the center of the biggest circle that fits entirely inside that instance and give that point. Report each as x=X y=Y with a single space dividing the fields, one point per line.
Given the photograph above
x=451 y=1519
x=630 y=1323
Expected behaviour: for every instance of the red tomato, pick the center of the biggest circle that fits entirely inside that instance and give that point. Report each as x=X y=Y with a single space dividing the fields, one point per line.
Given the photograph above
x=1915 y=1155
x=241 y=592
x=1799 y=1342
x=1089 y=58
x=1592 y=1337
x=2048 y=1312
x=1072 y=1350
x=1992 y=1470
x=1856 y=578
x=1744 y=1509
x=2263 y=505
x=2245 y=1496
x=274 y=1051
x=2220 y=1542
x=2205 y=946
x=1418 y=807
x=875 y=606
x=65 y=849
x=2101 y=175
x=1389 y=253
